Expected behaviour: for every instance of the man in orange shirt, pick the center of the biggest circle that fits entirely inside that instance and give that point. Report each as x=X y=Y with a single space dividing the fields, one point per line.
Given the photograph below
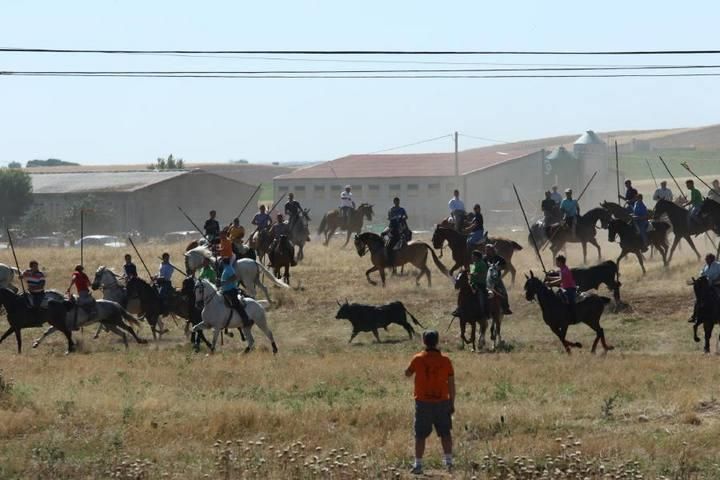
x=434 y=398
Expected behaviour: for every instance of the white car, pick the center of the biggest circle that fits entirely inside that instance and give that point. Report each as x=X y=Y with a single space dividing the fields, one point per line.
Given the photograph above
x=101 y=241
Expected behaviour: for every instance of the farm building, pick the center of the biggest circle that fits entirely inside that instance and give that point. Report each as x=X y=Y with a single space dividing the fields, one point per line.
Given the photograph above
x=425 y=182
x=144 y=201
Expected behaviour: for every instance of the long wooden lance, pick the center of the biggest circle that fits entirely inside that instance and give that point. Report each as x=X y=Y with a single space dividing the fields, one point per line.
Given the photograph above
x=617 y=169
x=249 y=200
x=671 y=176
x=522 y=209
x=194 y=224
x=82 y=236
x=651 y=172
x=271 y=209
x=577 y=200
x=17 y=265
x=140 y=257
x=687 y=167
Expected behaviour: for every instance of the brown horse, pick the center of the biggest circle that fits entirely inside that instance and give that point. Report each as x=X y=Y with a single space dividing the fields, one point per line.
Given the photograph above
x=260 y=241
x=469 y=311
x=332 y=221
x=281 y=253
x=585 y=232
x=414 y=253
x=458 y=246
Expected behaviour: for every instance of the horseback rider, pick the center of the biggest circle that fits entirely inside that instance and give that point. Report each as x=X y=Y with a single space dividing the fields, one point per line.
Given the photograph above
x=236 y=233
x=711 y=271
x=570 y=210
x=293 y=210
x=228 y=286
x=478 y=280
x=212 y=228
x=714 y=192
x=476 y=230
x=82 y=285
x=347 y=205
x=695 y=202
x=36 y=284
x=663 y=193
x=490 y=257
x=567 y=284
x=129 y=268
x=225 y=249
x=549 y=209
x=457 y=211
x=640 y=217
x=630 y=195
x=555 y=195
x=262 y=219
x=163 y=280
x=397 y=230
x=278 y=230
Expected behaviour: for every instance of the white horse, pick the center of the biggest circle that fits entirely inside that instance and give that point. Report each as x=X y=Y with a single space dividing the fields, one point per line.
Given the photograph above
x=247 y=271
x=218 y=316
x=109 y=314
x=7 y=275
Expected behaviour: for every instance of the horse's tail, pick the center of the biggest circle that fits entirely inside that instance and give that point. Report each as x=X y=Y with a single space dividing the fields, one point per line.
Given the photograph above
x=437 y=261
x=129 y=317
x=269 y=274
x=323 y=225
x=412 y=317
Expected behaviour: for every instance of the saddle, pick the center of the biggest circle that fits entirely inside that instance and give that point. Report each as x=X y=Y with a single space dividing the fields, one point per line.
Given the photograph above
x=579 y=298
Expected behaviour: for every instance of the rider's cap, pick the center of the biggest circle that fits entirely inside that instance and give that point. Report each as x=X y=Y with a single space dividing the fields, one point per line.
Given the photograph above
x=568 y=190
x=431 y=338
x=348 y=186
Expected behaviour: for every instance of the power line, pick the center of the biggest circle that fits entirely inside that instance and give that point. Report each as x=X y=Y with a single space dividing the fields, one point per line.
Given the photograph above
x=365 y=52
x=410 y=144
x=484 y=139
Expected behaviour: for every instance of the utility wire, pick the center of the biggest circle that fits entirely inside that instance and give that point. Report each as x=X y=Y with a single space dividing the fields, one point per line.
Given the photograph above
x=367 y=52
x=410 y=144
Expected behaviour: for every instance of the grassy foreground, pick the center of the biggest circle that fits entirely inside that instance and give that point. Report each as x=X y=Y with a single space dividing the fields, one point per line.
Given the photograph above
x=322 y=408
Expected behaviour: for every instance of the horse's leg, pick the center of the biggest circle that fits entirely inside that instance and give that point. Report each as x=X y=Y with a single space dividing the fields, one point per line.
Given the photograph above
x=692 y=245
x=47 y=332
x=9 y=332
x=97 y=333
x=247 y=331
x=367 y=275
x=473 y=328
x=382 y=276
x=483 y=331
x=622 y=255
x=263 y=326
x=511 y=268
x=68 y=336
x=708 y=327
x=640 y=260
x=347 y=239
x=122 y=325
x=113 y=327
x=594 y=242
x=584 y=249
x=463 y=325
x=216 y=334
x=675 y=243
x=18 y=339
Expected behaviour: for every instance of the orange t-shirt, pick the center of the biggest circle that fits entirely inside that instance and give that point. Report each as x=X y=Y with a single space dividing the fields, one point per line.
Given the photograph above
x=225 y=247
x=432 y=370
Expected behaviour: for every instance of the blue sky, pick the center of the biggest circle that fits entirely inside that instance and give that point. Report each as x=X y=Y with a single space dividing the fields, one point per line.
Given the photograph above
x=136 y=120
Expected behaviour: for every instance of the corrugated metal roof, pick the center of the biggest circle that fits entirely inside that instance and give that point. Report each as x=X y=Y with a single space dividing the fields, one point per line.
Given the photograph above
x=98 y=181
x=561 y=153
x=407 y=165
x=589 y=138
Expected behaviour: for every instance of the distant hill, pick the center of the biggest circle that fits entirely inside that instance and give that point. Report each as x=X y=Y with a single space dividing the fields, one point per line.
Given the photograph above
x=50 y=162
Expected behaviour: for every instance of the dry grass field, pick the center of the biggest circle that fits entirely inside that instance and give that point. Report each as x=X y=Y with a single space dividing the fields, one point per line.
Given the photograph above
x=324 y=409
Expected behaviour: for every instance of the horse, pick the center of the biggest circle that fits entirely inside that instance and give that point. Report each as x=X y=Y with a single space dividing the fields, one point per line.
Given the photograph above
x=194 y=314
x=537 y=232
x=109 y=314
x=707 y=311
x=585 y=232
x=631 y=242
x=469 y=311
x=679 y=218
x=300 y=233
x=247 y=270
x=107 y=280
x=20 y=315
x=617 y=211
x=281 y=254
x=458 y=246
x=710 y=209
x=414 y=253
x=556 y=315
x=217 y=315
x=7 y=275
x=260 y=241
x=332 y=221
x=494 y=305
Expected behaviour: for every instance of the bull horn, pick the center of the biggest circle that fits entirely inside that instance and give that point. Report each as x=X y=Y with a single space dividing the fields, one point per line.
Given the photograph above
x=346 y=300
x=338 y=302
x=532 y=275
x=526 y=277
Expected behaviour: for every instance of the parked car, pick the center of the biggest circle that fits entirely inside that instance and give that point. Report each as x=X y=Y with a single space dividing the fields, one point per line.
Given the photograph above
x=182 y=236
x=101 y=241
x=43 y=241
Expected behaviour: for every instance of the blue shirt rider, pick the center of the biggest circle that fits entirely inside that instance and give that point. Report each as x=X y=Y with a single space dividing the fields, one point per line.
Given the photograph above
x=640 y=216
x=397 y=230
x=228 y=287
x=457 y=211
x=261 y=219
x=630 y=196
x=164 y=280
x=476 y=230
x=570 y=210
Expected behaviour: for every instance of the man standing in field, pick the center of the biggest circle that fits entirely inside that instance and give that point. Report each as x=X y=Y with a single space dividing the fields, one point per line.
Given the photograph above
x=434 y=398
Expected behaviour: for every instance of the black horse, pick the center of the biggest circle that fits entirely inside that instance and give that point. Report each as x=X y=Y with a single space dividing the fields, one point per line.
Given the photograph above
x=585 y=232
x=154 y=307
x=557 y=315
x=20 y=315
x=681 y=225
x=707 y=310
x=631 y=242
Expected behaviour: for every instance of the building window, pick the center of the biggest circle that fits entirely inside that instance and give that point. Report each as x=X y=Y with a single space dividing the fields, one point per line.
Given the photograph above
x=357 y=190
x=300 y=192
x=412 y=189
x=434 y=189
x=283 y=189
x=373 y=191
x=394 y=190
x=336 y=188
x=319 y=192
